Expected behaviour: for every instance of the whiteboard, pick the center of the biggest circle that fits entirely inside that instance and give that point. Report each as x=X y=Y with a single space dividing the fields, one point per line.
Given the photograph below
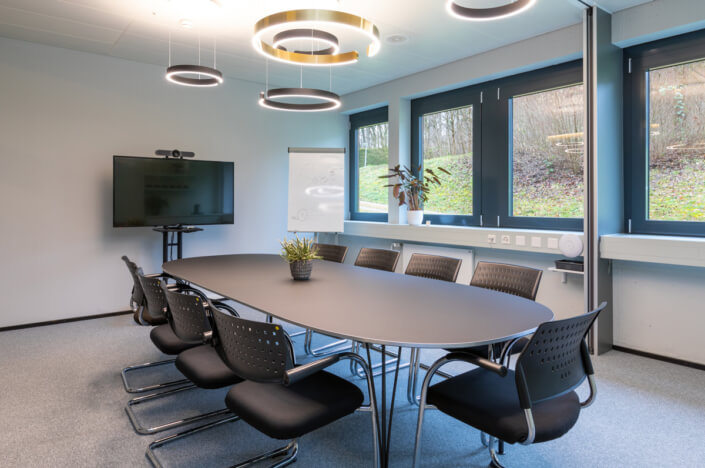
x=316 y=190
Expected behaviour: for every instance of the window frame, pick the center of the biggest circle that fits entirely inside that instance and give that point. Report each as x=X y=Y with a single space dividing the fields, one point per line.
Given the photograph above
x=462 y=97
x=662 y=53
x=492 y=151
x=545 y=79
x=363 y=119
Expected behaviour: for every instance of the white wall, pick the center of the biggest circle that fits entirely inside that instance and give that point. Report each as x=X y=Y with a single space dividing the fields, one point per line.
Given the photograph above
x=660 y=309
x=64 y=115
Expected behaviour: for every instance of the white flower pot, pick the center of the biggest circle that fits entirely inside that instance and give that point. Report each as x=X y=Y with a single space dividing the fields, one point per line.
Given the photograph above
x=414 y=217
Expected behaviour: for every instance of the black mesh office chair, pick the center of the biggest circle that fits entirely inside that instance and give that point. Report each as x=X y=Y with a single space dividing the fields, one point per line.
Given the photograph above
x=162 y=336
x=511 y=279
x=138 y=302
x=278 y=398
x=379 y=259
x=434 y=267
x=535 y=403
x=329 y=253
x=188 y=317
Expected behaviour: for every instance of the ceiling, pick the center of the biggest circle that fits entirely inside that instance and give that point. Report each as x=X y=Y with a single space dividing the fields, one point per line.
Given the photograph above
x=139 y=30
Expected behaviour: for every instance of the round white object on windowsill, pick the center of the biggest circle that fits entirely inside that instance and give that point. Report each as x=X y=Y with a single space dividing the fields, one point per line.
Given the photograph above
x=570 y=245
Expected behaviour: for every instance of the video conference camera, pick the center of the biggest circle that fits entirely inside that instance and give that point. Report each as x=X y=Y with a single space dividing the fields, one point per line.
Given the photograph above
x=175 y=153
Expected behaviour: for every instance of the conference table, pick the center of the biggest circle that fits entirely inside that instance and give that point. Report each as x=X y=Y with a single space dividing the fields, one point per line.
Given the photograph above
x=369 y=306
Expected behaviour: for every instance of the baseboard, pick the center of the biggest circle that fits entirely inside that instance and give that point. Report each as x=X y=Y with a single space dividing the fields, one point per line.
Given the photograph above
x=74 y=319
x=658 y=357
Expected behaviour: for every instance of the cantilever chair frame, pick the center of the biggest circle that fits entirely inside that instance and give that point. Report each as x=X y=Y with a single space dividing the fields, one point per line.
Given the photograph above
x=128 y=387
x=144 y=430
x=502 y=371
x=291 y=376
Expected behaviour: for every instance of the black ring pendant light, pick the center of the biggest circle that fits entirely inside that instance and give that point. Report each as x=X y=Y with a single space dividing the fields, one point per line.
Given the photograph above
x=184 y=75
x=488 y=14
x=307 y=34
x=329 y=100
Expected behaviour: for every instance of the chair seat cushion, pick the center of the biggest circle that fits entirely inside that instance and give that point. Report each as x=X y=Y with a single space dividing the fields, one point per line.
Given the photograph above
x=490 y=403
x=290 y=412
x=202 y=366
x=166 y=340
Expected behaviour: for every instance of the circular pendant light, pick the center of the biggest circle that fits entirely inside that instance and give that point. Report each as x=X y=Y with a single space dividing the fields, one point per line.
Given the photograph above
x=328 y=100
x=194 y=75
x=488 y=14
x=315 y=17
x=307 y=34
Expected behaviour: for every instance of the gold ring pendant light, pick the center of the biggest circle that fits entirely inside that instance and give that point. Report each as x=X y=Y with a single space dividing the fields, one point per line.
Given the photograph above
x=337 y=18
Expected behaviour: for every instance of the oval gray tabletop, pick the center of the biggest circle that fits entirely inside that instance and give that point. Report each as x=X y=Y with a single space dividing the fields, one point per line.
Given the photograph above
x=366 y=305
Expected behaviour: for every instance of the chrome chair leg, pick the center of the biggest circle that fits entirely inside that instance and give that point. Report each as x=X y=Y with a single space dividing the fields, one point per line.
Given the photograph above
x=166 y=440
x=493 y=454
x=140 y=429
x=292 y=447
x=330 y=348
x=414 y=361
x=146 y=365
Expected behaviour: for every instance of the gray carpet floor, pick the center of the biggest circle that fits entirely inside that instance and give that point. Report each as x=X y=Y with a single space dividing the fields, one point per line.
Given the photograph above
x=62 y=405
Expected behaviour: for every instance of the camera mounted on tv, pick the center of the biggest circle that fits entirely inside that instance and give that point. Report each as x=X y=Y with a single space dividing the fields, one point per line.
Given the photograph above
x=177 y=154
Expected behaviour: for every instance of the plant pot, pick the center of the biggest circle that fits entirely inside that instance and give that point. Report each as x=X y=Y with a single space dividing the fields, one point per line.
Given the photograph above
x=301 y=270
x=414 y=217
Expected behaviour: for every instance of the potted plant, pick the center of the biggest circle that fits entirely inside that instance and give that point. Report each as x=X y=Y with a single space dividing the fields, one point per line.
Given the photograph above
x=298 y=253
x=411 y=191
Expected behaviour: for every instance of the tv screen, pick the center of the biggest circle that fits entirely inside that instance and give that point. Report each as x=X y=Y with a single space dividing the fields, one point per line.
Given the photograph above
x=168 y=192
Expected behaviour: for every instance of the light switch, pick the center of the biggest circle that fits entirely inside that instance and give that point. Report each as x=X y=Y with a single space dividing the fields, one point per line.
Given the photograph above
x=535 y=241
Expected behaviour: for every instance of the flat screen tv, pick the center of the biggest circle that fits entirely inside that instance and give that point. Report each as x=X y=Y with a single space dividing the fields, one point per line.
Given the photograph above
x=169 y=192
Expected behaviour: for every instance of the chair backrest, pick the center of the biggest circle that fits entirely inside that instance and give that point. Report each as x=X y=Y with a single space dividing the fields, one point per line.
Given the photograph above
x=331 y=252
x=137 y=293
x=433 y=266
x=157 y=306
x=556 y=360
x=187 y=315
x=256 y=351
x=512 y=279
x=379 y=259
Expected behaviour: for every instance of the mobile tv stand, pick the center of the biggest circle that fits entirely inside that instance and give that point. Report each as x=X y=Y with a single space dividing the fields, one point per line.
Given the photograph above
x=169 y=244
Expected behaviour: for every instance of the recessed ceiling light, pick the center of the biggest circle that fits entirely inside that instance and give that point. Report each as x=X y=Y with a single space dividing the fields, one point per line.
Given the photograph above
x=396 y=39
x=186 y=23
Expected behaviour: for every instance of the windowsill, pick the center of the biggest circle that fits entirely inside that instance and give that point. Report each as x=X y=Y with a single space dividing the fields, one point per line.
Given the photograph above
x=670 y=250
x=460 y=235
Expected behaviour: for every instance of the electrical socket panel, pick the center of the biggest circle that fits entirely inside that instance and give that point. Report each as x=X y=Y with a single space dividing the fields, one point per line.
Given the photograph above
x=492 y=238
x=552 y=242
x=520 y=240
x=506 y=239
x=535 y=241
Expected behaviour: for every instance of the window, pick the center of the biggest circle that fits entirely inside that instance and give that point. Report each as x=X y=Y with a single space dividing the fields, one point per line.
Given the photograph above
x=447 y=143
x=676 y=161
x=514 y=148
x=665 y=136
x=547 y=153
x=445 y=133
x=369 y=159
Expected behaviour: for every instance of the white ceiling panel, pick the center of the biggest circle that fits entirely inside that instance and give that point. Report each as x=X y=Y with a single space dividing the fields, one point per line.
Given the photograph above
x=139 y=30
